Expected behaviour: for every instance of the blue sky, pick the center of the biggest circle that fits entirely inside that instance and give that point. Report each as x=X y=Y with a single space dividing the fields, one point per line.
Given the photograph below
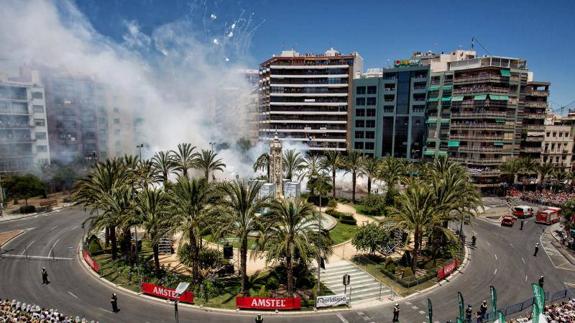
x=541 y=31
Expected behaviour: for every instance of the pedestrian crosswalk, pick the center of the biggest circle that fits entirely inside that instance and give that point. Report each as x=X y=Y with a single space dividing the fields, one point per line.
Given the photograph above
x=363 y=287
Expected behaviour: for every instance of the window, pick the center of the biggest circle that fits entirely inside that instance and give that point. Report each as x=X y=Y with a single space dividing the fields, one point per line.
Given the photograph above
x=42 y=148
x=360 y=112
x=388 y=108
x=359 y=123
x=371 y=90
x=116 y=121
x=369 y=145
x=371 y=112
x=116 y=110
x=359 y=101
x=38 y=109
x=360 y=90
x=371 y=101
x=554 y=134
x=40 y=135
x=37 y=95
x=370 y=124
x=359 y=134
x=370 y=134
x=358 y=145
x=39 y=122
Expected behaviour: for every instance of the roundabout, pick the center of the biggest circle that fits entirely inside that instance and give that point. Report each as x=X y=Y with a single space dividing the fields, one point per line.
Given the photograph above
x=503 y=258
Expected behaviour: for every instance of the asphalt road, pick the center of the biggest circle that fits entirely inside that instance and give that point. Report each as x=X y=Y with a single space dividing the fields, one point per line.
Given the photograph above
x=503 y=258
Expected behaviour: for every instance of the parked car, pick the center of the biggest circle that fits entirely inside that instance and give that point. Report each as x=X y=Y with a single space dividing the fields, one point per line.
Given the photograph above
x=522 y=211
x=508 y=220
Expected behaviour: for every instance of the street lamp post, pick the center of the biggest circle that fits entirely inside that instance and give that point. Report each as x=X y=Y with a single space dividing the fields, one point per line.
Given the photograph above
x=140 y=146
x=212 y=144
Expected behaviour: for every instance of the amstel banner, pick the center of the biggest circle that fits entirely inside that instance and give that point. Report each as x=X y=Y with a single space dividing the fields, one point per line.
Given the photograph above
x=268 y=303
x=91 y=262
x=164 y=292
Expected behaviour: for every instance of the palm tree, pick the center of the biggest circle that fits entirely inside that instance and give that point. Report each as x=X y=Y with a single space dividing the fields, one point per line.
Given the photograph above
x=312 y=167
x=152 y=214
x=392 y=171
x=415 y=211
x=163 y=165
x=291 y=231
x=241 y=202
x=352 y=163
x=184 y=158
x=103 y=185
x=145 y=174
x=544 y=170
x=370 y=168
x=332 y=162
x=511 y=168
x=293 y=163
x=208 y=162
x=189 y=202
x=263 y=163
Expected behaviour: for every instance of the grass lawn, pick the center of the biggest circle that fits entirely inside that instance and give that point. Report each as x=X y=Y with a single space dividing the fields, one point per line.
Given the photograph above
x=342 y=232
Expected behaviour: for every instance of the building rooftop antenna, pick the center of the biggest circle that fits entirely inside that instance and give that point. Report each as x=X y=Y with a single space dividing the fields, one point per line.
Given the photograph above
x=474 y=40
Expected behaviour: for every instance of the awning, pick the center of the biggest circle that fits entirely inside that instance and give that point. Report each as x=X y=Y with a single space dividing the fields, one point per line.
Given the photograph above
x=446 y=99
x=457 y=98
x=447 y=87
x=428 y=153
x=480 y=97
x=444 y=121
x=499 y=97
x=453 y=143
x=431 y=120
x=432 y=99
x=441 y=153
x=505 y=73
x=433 y=88
x=498 y=143
x=500 y=120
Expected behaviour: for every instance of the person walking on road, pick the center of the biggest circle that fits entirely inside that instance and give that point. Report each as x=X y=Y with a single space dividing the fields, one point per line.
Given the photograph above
x=541 y=281
x=396 y=313
x=45 y=276
x=483 y=309
x=536 y=249
x=468 y=313
x=522 y=222
x=114 y=302
x=259 y=319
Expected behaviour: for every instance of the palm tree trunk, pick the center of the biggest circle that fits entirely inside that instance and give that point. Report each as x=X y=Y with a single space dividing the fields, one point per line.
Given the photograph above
x=268 y=170
x=195 y=257
x=244 y=265
x=290 y=287
x=333 y=181
x=114 y=242
x=207 y=175
x=353 y=180
x=416 y=247
x=156 y=250
x=368 y=185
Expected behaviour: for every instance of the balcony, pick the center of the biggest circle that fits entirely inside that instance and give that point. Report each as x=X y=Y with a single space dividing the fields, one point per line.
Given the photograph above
x=461 y=126
x=309 y=121
x=534 y=116
x=473 y=137
x=310 y=94
x=308 y=84
x=531 y=149
x=306 y=67
x=537 y=93
x=534 y=127
x=484 y=78
x=481 y=149
x=332 y=113
x=478 y=115
x=326 y=104
x=306 y=76
x=477 y=161
x=270 y=130
x=535 y=104
x=482 y=89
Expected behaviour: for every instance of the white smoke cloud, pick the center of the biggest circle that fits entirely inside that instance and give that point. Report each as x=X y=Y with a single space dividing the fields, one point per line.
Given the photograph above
x=186 y=87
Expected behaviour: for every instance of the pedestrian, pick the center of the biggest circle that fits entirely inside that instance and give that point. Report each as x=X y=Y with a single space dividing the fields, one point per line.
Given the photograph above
x=536 y=249
x=541 y=281
x=396 y=313
x=483 y=309
x=45 y=276
x=259 y=319
x=468 y=313
x=114 y=301
x=521 y=227
x=478 y=317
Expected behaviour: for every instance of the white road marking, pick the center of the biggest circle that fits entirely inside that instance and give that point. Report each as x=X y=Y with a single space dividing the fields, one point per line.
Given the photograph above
x=6 y=255
x=523 y=259
x=342 y=318
x=414 y=307
x=525 y=277
x=495 y=272
x=54 y=228
x=28 y=246
x=52 y=249
x=422 y=312
x=495 y=256
x=73 y=295
x=489 y=244
x=105 y=310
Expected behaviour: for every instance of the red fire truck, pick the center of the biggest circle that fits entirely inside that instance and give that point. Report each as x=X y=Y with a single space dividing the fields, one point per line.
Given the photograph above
x=548 y=215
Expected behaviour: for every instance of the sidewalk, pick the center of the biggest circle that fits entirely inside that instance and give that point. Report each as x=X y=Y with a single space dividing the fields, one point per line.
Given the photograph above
x=556 y=242
x=10 y=217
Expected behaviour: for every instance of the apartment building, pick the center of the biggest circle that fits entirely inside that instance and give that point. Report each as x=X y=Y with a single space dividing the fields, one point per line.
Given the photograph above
x=557 y=145
x=305 y=98
x=24 y=142
x=388 y=116
x=535 y=106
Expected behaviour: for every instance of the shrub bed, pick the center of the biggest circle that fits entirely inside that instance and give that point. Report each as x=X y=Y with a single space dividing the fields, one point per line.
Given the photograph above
x=346 y=218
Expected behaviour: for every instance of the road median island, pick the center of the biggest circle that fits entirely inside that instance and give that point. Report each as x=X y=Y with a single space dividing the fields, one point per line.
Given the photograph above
x=8 y=236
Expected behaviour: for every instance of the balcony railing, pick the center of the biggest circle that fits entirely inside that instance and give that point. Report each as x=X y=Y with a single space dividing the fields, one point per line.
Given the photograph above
x=537 y=93
x=481 y=149
x=477 y=137
x=531 y=149
x=483 y=78
x=477 y=161
x=535 y=104
x=478 y=115
x=534 y=116
x=463 y=126
x=534 y=127
x=482 y=89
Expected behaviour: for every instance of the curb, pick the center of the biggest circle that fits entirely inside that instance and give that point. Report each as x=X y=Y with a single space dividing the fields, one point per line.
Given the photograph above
x=200 y=307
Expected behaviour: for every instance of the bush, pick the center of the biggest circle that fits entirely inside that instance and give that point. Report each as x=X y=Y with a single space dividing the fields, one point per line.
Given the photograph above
x=373 y=204
x=407 y=273
x=25 y=209
x=94 y=246
x=348 y=219
x=332 y=204
x=263 y=292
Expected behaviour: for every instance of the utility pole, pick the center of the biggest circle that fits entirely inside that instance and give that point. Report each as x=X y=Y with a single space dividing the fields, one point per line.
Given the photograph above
x=140 y=146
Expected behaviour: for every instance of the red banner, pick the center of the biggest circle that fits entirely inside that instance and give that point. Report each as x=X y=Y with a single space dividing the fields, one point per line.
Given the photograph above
x=447 y=269
x=268 y=303
x=164 y=292
x=91 y=262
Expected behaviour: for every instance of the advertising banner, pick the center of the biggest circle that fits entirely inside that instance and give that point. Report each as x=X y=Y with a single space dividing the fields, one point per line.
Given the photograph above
x=91 y=262
x=461 y=304
x=429 y=311
x=268 y=303
x=164 y=292
x=447 y=269
x=493 y=292
x=331 y=300
x=538 y=304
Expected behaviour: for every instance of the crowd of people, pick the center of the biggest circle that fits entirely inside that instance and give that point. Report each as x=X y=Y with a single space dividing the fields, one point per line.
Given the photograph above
x=563 y=312
x=545 y=197
x=12 y=311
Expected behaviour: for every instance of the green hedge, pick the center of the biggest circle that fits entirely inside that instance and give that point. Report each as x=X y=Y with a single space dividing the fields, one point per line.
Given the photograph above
x=345 y=218
x=408 y=281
